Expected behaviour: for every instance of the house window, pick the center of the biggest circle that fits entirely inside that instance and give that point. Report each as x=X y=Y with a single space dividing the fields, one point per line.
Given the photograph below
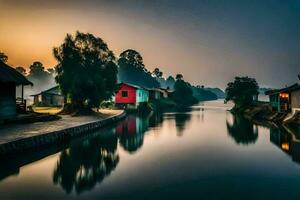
x=124 y=93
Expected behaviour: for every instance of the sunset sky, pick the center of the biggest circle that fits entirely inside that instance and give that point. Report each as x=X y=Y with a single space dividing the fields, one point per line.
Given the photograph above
x=208 y=41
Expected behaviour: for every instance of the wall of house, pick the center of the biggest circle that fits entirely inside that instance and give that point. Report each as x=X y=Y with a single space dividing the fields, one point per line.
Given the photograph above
x=7 y=101
x=52 y=100
x=142 y=96
x=295 y=100
x=130 y=99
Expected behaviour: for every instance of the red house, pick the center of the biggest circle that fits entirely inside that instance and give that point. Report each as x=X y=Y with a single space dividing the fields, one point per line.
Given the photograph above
x=130 y=95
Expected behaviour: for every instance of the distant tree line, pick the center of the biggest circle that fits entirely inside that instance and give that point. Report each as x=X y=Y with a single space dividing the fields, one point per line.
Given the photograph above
x=88 y=72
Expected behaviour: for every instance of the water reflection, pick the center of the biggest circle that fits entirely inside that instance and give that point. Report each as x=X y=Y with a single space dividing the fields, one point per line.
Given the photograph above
x=242 y=130
x=87 y=163
x=285 y=141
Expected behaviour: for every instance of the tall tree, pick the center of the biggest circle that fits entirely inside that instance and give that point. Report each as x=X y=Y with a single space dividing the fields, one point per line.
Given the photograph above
x=3 y=57
x=132 y=70
x=86 y=71
x=241 y=91
x=183 y=94
x=132 y=58
x=37 y=69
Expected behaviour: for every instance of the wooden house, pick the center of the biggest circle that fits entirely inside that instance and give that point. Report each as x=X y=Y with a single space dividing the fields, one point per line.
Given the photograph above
x=130 y=96
x=50 y=97
x=286 y=99
x=9 y=80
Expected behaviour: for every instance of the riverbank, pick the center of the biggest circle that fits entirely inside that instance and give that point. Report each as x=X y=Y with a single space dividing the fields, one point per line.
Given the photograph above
x=262 y=112
x=21 y=137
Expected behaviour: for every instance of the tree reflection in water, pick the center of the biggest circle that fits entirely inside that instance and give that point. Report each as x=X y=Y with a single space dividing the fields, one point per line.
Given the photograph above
x=84 y=165
x=180 y=120
x=242 y=130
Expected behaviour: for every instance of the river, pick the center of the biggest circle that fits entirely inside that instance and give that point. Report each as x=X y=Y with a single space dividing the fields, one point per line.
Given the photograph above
x=204 y=153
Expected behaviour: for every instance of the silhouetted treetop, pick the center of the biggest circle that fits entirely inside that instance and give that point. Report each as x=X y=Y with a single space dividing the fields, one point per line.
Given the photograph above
x=3 y=57
x=86 y=70
x=179 y=76
x=21 y=70
x=157 y=73
x=133 y=58
x=241 y=91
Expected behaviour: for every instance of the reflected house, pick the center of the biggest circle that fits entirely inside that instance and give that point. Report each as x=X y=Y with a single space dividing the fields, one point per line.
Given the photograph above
x=285 y=100
x=242 y=130
x=131 y=132
x=285 y=141
x=9 y=80
x=50 y=97
x=130 y=96
x=82 y=166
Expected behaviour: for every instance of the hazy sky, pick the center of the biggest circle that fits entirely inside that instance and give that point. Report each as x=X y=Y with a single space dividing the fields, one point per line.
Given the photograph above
x=208 y=41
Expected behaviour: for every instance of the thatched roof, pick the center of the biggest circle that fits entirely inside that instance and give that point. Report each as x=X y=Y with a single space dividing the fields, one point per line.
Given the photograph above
x=10 y=75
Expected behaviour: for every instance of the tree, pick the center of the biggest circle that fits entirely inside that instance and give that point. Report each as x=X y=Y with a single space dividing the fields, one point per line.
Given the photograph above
x=241 y=91
x=21 y=70
x=179 y=77
x=183 y=94
x=37 y=69
x=170 y=82
x=86 y=71
x=40 y=77
x=3 y=57
x=132 y=70
x=157 y=73
x=242 y=130
x=133 y=58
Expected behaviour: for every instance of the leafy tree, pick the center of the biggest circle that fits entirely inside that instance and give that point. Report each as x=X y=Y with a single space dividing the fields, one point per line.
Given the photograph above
x=3 y=57
x=179 y=76
x=21 y=70
x=183 y=94
x=157 y=73
x=170 y=82
x=132 y=58
x=37 y=69
x=86 y=71
x=132 y=70
x=241 y=91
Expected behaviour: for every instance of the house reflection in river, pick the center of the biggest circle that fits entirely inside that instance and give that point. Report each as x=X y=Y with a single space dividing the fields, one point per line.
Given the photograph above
x=242 y=130
x=87 y=163
x=286 y=143
x=131 y=132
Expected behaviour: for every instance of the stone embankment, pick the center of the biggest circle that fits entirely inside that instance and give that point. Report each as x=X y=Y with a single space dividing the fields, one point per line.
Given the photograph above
x=36 y=141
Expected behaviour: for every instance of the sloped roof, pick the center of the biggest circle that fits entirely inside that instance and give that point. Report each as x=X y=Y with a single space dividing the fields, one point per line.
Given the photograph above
x=10 y=75
x=291 y=88
x=54 y=90
x=132 y=85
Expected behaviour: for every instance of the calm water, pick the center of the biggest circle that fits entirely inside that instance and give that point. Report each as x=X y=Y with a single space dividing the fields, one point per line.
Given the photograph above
x=205 y=153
